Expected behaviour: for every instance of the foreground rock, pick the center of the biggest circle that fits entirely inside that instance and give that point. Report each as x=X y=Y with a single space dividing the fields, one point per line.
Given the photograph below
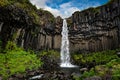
x=94 y=78
x=51 y=75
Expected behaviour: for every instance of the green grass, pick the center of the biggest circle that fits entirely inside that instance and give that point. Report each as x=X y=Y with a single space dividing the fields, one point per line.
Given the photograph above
x=50 y=53
x=107 y=63
x=115 y=66
x=15 y=60
x=99 y=57
x=8 y=2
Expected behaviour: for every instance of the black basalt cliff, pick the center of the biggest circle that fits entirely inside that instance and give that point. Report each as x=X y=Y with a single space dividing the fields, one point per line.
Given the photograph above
x=29 y=27
x=93 y=29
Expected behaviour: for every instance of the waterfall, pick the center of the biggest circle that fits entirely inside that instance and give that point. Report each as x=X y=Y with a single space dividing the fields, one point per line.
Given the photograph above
x=65 y=54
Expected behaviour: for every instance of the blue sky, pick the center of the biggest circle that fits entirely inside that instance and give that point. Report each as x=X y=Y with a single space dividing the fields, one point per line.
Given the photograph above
x=65 y=8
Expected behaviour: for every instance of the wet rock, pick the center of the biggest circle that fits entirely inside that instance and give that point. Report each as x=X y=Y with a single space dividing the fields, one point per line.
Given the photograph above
x=83 y=69
x=107 y=77
x=31 y=73
x=10 y=79
x=118 y=54
x=19 y=76
x=46 y=76
x=36 y=77
x=0 y=78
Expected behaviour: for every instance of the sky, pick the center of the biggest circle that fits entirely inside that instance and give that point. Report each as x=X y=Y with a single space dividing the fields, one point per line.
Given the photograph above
x=65 y=8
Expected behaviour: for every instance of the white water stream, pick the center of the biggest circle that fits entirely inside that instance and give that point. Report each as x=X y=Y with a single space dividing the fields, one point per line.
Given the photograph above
x=65 y=54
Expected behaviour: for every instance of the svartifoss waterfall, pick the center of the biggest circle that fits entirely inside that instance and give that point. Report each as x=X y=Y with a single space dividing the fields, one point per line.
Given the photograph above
x=65 y=55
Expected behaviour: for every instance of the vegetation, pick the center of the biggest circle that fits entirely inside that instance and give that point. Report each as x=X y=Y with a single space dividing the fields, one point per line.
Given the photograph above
x=112 y=69
x=92 y=9
x=97 y=57
x=50 y=53
x=4 y=2
x=115 y=66
x=15 y=60
x=8 y=2
x=106 y=63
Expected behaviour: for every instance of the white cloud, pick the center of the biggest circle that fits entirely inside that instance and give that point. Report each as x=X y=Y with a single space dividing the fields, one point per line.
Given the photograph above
x=64 y=10
x=55 y=12
x=67 y=9
x=39 y=3
x=65 y=5
x=88 y=4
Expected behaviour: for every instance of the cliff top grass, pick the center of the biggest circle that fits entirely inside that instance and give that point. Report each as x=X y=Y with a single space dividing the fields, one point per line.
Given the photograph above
x=92 y=9
x=9 y=2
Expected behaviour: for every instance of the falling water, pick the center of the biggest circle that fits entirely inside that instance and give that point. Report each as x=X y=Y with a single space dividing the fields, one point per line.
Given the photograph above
x=65 y=55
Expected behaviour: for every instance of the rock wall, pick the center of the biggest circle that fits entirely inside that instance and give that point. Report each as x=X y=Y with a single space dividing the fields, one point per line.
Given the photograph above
x=95 y=29
x=29 y=28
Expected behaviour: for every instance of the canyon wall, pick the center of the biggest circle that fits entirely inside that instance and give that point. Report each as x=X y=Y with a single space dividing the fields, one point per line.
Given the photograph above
x=29 y=27
x=93 y=29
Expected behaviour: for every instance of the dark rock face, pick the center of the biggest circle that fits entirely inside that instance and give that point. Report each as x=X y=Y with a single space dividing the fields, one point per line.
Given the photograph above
x=95 y=29
x=13 y=23
x=19 y=26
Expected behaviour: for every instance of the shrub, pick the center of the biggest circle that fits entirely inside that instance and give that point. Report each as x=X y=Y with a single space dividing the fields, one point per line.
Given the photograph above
x=99 y=57
x=107 y=62
x=112 y=68
x=115 y=66
x=101 y=70
x=49 y=53
x=4 y=2
x=11 y=46
x=87 y=74
x=15 y=60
